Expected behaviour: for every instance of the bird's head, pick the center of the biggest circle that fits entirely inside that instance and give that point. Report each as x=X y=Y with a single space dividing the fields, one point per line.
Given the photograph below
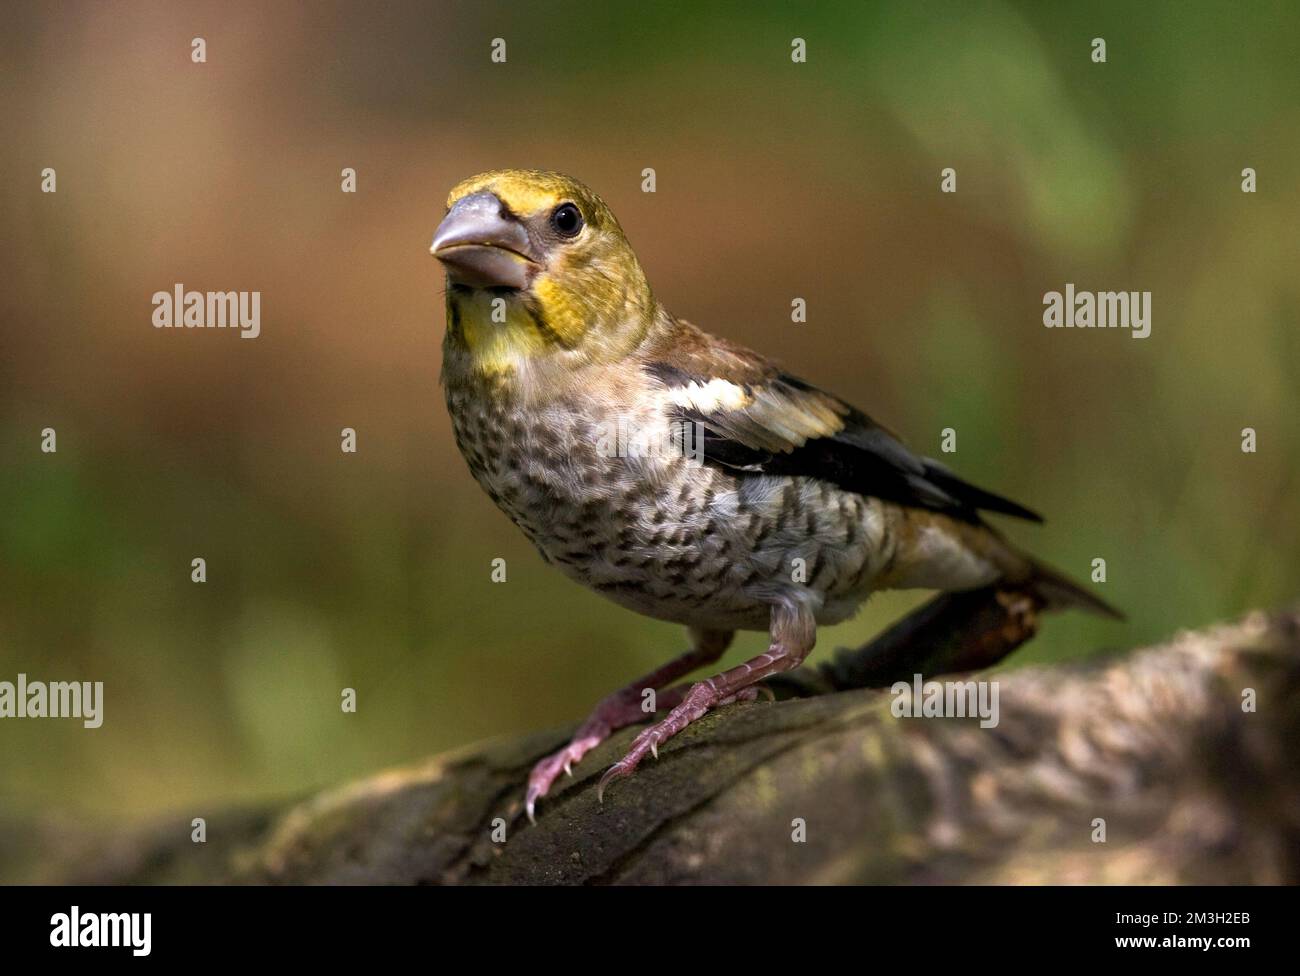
x=537 y=265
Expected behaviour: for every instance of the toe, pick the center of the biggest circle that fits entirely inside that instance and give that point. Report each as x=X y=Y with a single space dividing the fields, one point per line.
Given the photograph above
x=620 y=770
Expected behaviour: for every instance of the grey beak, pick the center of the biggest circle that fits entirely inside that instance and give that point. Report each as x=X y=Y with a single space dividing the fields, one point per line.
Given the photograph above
x=483 y=245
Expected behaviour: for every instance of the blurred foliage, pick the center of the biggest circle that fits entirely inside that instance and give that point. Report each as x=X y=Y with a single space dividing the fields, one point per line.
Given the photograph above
x=775 y=179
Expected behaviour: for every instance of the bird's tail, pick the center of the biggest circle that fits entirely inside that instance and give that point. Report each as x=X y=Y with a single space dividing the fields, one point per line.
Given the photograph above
x=1059 y=592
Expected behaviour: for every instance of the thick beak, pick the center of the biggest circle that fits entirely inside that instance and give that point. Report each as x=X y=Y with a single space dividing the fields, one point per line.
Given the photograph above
x=481 y=244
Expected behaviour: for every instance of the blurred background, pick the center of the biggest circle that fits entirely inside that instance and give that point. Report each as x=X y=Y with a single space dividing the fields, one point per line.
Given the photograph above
x=775 y=180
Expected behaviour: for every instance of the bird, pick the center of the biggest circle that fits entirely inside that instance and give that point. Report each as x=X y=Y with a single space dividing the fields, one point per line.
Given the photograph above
x=680 y=474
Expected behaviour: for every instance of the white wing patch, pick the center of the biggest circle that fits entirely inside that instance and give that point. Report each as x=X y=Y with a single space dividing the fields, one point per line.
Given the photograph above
x=716 y=394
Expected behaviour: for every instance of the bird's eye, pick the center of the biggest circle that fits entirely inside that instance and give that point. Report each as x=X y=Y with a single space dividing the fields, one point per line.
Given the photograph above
x=567 y=219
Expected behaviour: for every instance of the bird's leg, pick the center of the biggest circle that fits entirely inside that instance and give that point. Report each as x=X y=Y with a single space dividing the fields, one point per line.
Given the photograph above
x=623 y=708
x=793 y=633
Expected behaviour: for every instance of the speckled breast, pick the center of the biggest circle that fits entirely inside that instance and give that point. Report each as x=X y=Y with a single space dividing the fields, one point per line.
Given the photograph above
x=660 y=531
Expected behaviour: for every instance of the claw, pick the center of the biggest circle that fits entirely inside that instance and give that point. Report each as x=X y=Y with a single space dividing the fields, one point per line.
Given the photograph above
x=530 y=806
x=568 y=768
x=614 y=772
x=654 y=748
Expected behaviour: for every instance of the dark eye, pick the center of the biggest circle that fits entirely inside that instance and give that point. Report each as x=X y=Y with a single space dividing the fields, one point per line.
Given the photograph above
x=567 y=219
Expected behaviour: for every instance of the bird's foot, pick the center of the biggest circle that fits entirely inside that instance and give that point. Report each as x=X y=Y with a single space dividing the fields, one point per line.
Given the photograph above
x=546 y=772
x=615 y=712
x=698 y=700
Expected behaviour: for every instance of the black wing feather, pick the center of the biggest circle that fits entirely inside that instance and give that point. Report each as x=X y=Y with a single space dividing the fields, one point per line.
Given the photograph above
x=860 y=456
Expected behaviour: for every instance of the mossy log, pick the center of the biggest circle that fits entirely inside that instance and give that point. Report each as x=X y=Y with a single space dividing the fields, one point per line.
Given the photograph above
x=1188 y=754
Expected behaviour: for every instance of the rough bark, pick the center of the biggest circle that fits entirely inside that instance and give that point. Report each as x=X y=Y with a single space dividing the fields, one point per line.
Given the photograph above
x=1191 y=786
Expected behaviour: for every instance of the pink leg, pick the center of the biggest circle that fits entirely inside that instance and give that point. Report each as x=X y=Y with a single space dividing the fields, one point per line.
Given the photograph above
x=623 y=708
x=793 y=635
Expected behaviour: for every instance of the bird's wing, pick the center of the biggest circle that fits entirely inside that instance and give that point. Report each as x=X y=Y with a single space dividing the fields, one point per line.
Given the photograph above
x=758 y=419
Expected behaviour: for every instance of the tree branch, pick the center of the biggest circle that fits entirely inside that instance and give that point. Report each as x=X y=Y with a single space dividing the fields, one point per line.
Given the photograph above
x=1156 y=744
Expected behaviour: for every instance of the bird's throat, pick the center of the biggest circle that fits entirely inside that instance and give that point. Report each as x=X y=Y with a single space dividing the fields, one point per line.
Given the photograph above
x=495 y=333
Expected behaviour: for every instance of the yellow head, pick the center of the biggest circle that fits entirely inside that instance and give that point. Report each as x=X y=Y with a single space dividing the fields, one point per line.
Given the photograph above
x=537 y=265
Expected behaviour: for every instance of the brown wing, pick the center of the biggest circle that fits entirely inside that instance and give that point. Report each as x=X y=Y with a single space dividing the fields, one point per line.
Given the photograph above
x=760 y=420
